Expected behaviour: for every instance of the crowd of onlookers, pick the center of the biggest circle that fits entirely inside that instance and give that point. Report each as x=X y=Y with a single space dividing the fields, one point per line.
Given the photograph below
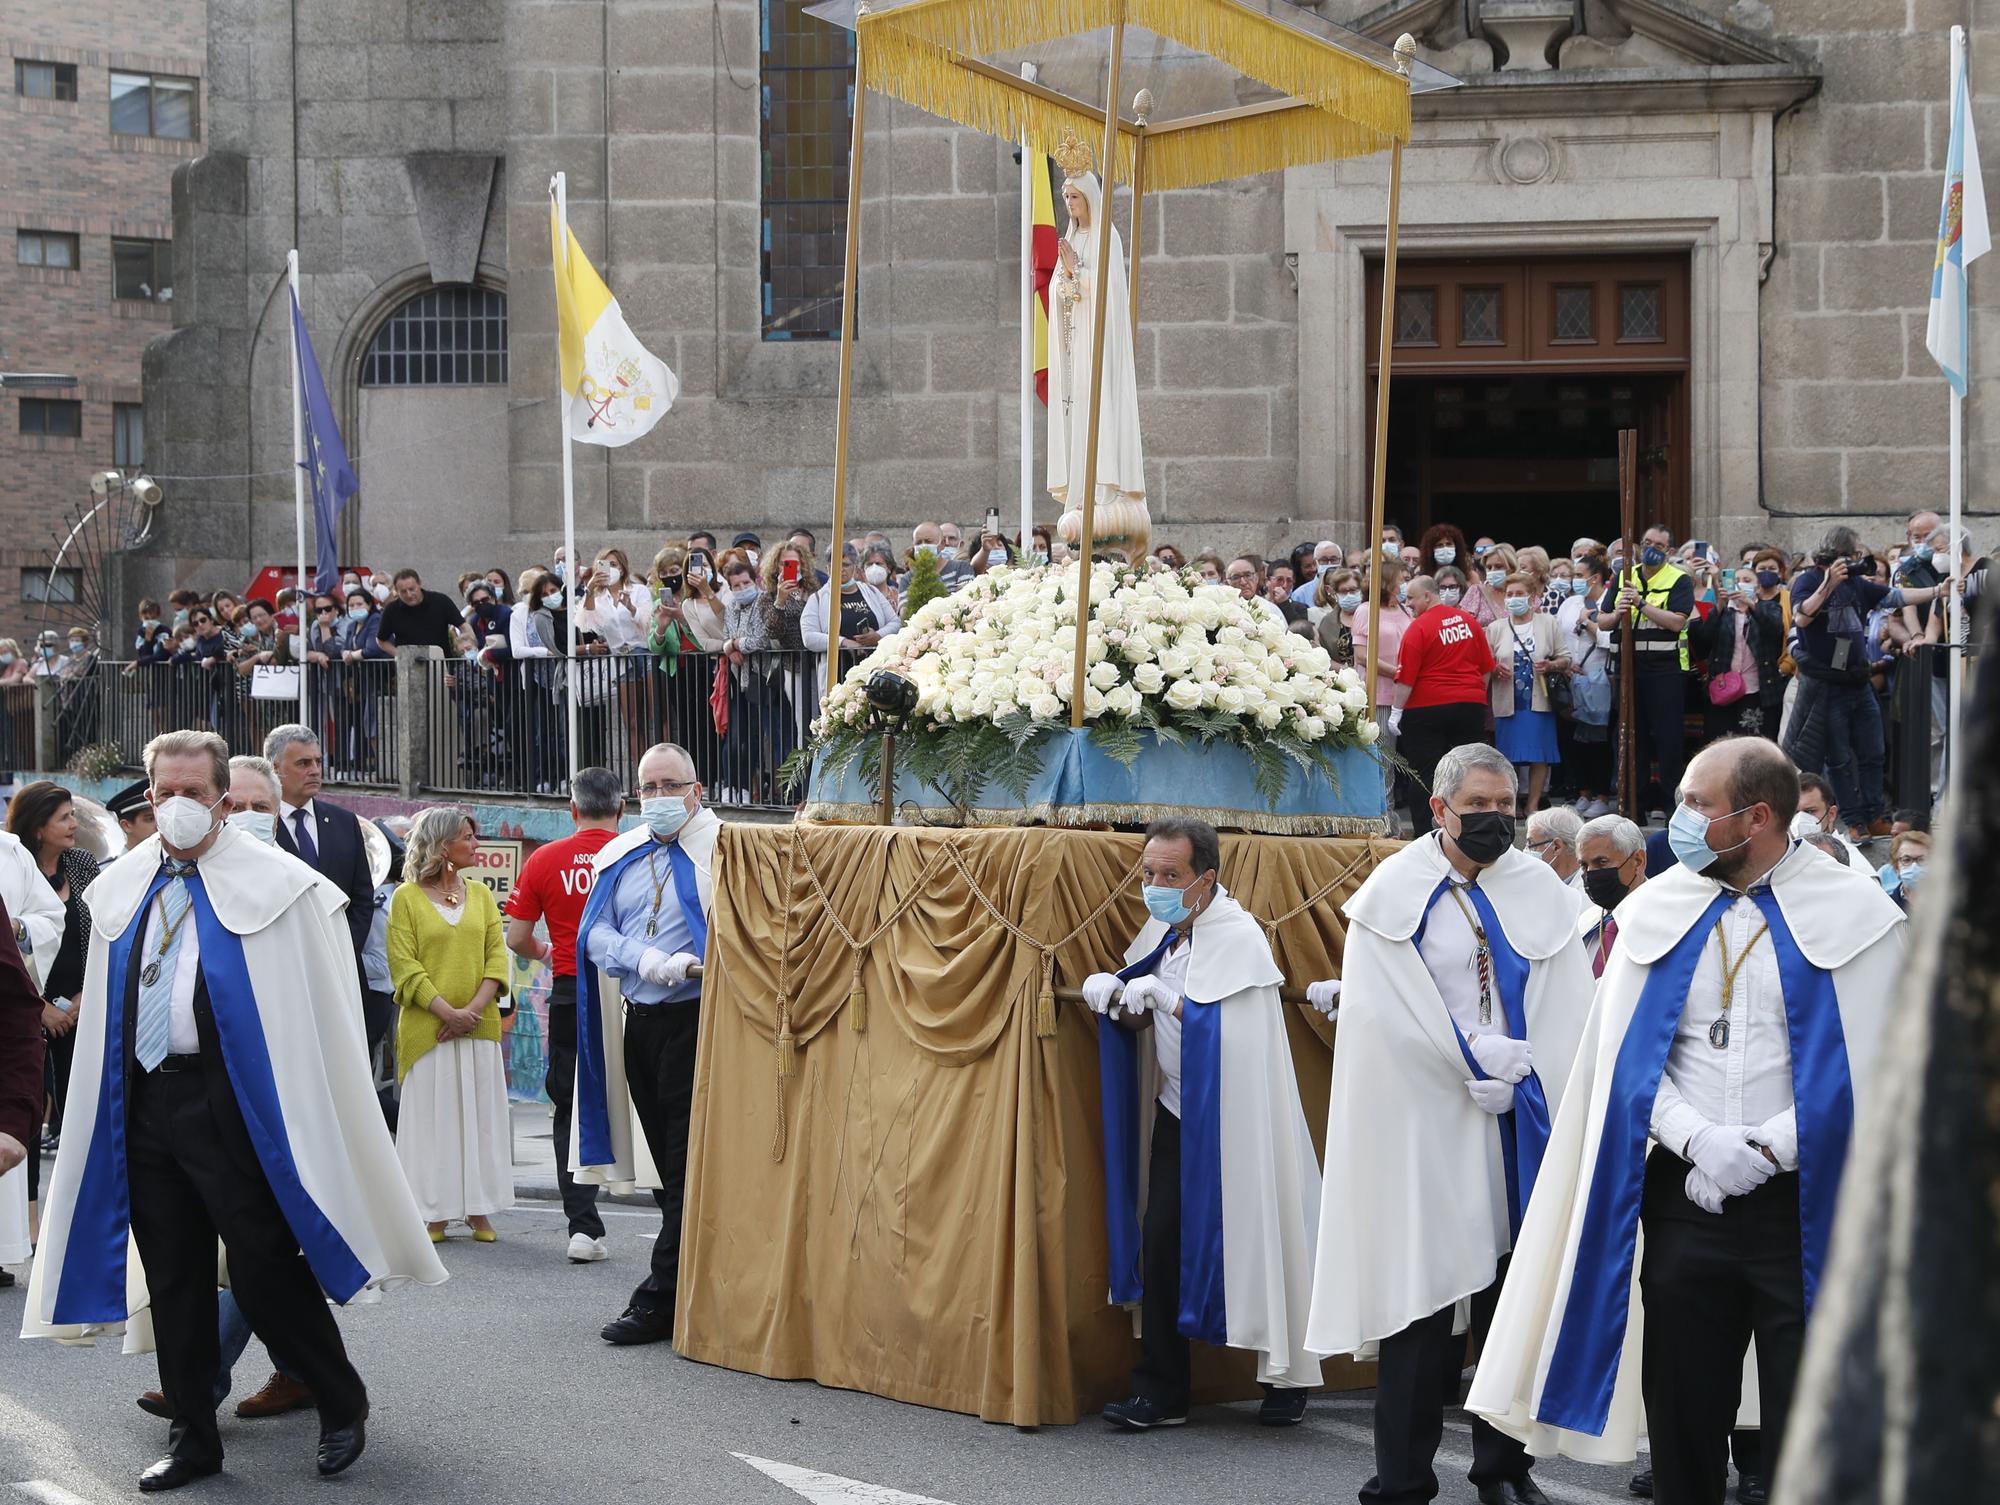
x=723 y=648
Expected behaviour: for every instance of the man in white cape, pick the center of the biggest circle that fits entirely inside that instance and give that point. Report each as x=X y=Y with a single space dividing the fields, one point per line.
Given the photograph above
x=1712 y=1106
x=221 y=1090
x=1463 y=998
x=1211 y=1185
x=638 y=1012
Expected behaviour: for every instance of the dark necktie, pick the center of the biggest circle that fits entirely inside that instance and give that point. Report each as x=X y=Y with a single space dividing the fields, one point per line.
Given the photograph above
x=308 y=849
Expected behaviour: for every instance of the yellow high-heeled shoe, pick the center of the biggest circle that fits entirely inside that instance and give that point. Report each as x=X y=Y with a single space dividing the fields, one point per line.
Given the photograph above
x=437 y=1235
x=485 y=1236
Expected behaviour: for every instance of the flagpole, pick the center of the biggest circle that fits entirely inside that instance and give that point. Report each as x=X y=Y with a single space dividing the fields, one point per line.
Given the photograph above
x=1029 y=161
x=300 y=597
x=569 y=506
x=1954 y=604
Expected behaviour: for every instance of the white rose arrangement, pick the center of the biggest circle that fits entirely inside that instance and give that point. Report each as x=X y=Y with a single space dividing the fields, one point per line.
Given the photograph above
x=1168 y=656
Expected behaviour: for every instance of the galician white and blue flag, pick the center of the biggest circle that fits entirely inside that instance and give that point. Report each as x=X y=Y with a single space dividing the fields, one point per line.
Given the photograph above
x=326 y=465
x=1962 y=234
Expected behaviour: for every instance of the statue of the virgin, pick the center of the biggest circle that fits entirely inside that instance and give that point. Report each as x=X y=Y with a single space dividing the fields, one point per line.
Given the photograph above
x=1121 y=520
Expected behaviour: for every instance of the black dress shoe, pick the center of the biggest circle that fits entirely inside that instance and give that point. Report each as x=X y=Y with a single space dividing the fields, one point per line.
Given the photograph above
x=1642 y=1485
x=1512 y=1492
x=1140 y=1415
x=1282 y=1408
x=1751 y=1489
x=637 y=1325
x=171 y=1473
x=341 y=1446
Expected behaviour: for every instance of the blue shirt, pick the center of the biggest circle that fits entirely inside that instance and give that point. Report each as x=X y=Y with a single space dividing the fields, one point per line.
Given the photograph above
x=1844 y=615
x=619 y=938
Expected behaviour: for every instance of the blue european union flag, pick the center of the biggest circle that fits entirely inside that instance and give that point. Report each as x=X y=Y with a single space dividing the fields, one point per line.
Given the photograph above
x=327 y=469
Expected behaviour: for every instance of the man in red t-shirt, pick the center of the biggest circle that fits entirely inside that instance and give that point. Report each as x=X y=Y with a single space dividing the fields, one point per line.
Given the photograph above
x=553 y=886
x=1441 y=695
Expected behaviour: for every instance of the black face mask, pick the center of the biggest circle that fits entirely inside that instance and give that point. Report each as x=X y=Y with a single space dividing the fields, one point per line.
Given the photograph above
x=1485 y=836
x=1606 y=889
x=670 y=582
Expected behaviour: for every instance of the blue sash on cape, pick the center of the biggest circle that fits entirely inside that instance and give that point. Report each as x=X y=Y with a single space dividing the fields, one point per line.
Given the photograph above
x=1203 y=1314
x=593 y=1113
x=1583 y=1368
x=92 y=1286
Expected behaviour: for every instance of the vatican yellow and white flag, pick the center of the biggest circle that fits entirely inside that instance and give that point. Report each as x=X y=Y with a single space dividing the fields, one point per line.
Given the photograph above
x=614 y=388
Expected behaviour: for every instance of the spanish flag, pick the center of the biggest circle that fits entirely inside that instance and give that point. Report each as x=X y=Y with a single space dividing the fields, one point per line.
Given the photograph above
x=1043 y=175
x=614 y=388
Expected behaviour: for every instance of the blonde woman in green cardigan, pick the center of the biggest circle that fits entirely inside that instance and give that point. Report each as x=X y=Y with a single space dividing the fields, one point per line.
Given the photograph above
x=448 y=962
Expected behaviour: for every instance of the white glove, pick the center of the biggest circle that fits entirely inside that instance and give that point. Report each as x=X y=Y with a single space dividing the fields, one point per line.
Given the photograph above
x=1494 y=1097
x=657 y=967
x=1730 y=1160
x=1100 y=990
x=1396 y=722
x=1702 y=1190
x=1325 y=996
x=1143 y=993
x=1501 y=1056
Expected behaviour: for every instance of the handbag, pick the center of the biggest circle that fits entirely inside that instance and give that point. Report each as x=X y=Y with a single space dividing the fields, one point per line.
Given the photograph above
x=1726 y=688
x=1590 y=694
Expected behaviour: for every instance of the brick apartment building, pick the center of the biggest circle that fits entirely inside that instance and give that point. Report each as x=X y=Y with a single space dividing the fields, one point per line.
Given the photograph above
x=103 y=101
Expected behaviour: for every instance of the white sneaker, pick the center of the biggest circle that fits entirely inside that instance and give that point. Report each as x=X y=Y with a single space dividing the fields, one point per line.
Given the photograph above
x=585 y=1250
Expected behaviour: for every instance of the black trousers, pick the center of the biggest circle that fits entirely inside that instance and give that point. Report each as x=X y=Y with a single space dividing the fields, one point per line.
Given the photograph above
x=193 y=1177
x=1429 y=732
x=659 y=1068
x=578 y=1198
x=1418 y=1374
x=1710 y=1283
x=1659 y=704
x=1162 y=1375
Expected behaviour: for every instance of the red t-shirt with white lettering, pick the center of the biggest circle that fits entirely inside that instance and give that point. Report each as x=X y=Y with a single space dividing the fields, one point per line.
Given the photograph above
x=554 y=884
x=1445 y=660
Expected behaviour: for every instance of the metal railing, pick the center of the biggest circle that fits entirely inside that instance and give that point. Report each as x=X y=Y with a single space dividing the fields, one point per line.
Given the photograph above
x=17 y=727
x=503 y=728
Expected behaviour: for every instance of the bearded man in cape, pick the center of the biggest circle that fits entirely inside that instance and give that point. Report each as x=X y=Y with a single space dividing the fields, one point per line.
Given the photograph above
x=1712 y=1106
x=221 y=1090
x=1464 y=995
x=638 y=1013
x=1211 y=1186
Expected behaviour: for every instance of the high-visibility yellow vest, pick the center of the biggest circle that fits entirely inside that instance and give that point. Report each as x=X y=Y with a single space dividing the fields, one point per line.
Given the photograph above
x=1647 y=639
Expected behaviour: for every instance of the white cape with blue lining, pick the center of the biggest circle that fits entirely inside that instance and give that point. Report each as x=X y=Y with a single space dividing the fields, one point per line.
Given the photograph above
x=279 y=965
x=1249 y=1179
x=1423 y=1186
x=1560 y=1368
x=606 y=1144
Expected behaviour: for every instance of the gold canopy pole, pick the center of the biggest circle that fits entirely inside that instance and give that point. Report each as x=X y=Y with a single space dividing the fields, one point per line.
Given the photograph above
x=1142 y=109
x=846 y=401
x=1109 y=162
x=1406 y=47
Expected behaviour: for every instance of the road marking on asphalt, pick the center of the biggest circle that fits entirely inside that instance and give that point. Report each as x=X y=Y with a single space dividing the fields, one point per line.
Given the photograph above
x=832 y=1489
x=1555 y=1489
x=49 y=1493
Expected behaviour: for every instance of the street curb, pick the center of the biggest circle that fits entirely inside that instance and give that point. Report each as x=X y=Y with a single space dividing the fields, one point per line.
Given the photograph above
x=548 y=1191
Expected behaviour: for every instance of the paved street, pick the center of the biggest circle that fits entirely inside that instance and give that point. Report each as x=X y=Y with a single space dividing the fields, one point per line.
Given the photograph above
x=496 y=1386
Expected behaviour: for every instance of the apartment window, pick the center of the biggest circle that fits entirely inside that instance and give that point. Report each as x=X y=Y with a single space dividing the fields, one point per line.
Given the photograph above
x=142 y=270
x=45 y=248
x=44 y=80
x=52 y=417
x=128 y=435
x=46 y=587
x=148 y=104
x=808 y=126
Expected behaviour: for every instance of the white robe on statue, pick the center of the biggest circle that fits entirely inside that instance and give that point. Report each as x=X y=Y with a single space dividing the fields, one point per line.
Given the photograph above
x=1249 y=1180
x=1560 y=1368
x=1419 y=1199
x=1121 y=467
x=279 y=965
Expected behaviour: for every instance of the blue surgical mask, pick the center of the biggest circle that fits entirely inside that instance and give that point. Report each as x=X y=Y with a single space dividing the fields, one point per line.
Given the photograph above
x=1579 y=586
x=1040 y=556
x=6 y=659
x=151 y=624
x=1328 y=568
x=995 y=558
x=1519 y=606
x=1911 y=873
x=181 y=618
x=1349 y=600
x=746 y=595
x=1451 y=595
x=1496 y=577
x=357 y=613
x=1687 y=834
x=1167 y=905
x=561 y=571
x=947 y=552
x=664 y=815
x=1923 y=552
x=1652 y=556
x=259 y=823
x=1402 y=593
x=553 y=600
x=1444 y=554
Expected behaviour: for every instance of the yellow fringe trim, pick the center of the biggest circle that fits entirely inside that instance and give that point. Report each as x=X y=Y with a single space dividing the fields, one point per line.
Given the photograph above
x=1351 y=106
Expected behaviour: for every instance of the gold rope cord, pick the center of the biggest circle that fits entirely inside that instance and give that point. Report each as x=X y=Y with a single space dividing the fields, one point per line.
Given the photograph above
x=857 y=997
x=784 y=1003
x=1324 y=891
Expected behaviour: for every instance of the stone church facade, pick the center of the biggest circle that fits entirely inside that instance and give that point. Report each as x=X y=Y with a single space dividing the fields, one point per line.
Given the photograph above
x=1711 y=222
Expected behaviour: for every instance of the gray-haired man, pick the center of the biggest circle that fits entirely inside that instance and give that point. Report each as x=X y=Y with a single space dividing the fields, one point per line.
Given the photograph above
x=1552 y=837
x=323 y=836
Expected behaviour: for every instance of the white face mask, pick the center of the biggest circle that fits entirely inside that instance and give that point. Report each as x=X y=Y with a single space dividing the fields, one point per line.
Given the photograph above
x=379 y=591
x=259 y=823
x=183 y=822
x=877 y=574
x=753 y=556
x=612 y=574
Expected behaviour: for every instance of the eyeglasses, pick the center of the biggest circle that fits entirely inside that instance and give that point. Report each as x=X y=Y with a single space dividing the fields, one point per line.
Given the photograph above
x=322 y=611
x=1544 y=844
x=672 y=789
x=1238 y=577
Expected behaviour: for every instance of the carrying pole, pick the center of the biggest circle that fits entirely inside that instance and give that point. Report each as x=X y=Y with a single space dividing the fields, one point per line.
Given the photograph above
x=1406 y=47
x=302 y=596
x=1628 y=527
x=574 y=575
x=1031 y=163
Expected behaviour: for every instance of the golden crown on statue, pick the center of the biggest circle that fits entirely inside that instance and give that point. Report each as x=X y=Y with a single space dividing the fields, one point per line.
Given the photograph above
x=1074 y=157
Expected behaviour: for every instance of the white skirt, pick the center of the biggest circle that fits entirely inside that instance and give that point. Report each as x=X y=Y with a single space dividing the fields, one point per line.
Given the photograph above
x=14 y=1248
x=454 y=1136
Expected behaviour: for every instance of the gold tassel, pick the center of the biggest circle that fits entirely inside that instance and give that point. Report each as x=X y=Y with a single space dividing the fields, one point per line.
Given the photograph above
x=1045 y=1005
x=788 y=1059
x=857 y=1001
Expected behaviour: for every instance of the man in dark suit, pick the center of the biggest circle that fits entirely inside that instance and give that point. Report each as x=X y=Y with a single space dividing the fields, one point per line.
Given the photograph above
x=322 y=835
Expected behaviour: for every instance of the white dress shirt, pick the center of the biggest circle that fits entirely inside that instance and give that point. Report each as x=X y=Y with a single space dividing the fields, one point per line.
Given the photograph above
x=1451 y=955
x=623 y=617
x=182 y=1037
x=1172 y=972
x=285 y=814
x=1749 y=1082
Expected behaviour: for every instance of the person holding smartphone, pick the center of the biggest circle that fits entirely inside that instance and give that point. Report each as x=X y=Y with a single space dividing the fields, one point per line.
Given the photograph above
x=863 y=617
